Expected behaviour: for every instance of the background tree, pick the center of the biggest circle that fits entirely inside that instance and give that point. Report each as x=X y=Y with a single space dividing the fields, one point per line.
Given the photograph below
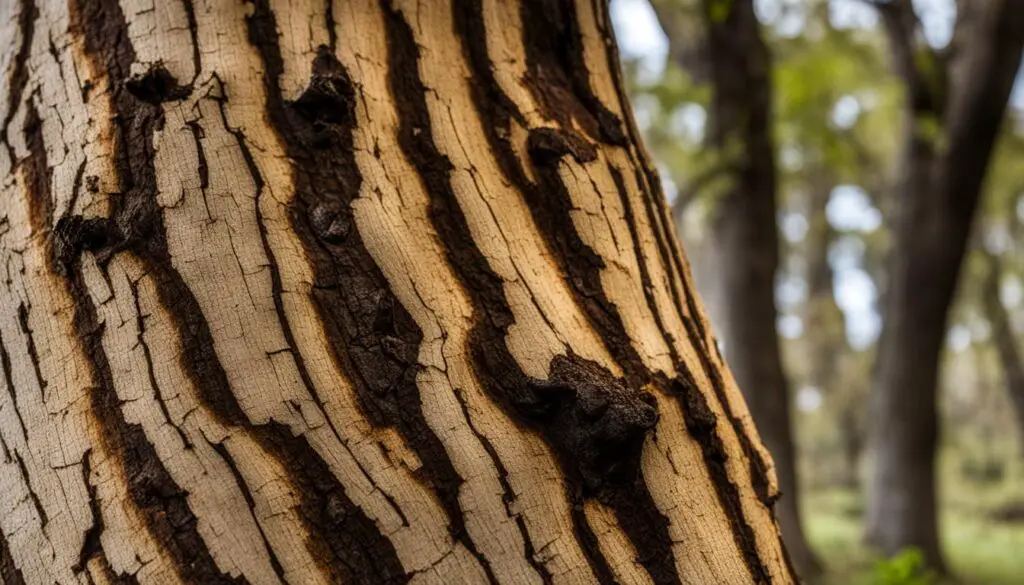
x=954 y=105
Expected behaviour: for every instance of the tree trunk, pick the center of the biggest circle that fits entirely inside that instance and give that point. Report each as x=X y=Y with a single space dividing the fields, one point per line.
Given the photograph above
x=953 y=119
x=361 y=292
x=1005 y=341
x=824 y=344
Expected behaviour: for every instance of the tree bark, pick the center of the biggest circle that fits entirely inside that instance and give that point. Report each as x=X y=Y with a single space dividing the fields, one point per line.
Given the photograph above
x=953 y=117
x=736 y=65
x=357 y=291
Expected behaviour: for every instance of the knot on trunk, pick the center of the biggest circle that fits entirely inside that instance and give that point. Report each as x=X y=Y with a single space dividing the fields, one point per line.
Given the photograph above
x=74 y=234
x=597 y=421
x=329 y=98
x=156 y=85
x=548 y=145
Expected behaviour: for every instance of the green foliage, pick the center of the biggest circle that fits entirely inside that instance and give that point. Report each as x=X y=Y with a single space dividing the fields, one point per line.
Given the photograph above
x=981 y=549
x=928 y=128
x=905 y=568
x=719 y=10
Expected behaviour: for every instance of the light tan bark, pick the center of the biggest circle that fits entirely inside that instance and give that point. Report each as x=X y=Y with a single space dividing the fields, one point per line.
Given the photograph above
x=176 y=407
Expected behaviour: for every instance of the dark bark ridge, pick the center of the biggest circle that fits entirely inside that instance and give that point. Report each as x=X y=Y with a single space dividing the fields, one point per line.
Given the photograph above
x=348 y=544
x=10 y=574
x=160 y=500
x=584 y=266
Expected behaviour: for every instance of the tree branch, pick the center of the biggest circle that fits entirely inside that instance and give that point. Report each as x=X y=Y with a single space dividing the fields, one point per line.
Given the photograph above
x=986 y=70
x=687 y=39
x=915 y=62
x=687 y=195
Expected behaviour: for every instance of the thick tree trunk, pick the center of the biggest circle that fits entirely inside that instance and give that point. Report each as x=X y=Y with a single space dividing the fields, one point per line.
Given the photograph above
x=362 y=292
x=951 y=129
x=736 y=63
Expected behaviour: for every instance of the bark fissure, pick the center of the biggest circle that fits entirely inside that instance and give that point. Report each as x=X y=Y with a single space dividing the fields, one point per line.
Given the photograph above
x=10 y=574
x=373 y=337
x=137 y=226
x=193 y=32
x=558 y=75
x=575 y=409
x=508 y=496
x=5 y=364
x=140 y=324
x=36 y=503
x=30 y=346
x=92 y=549
x=161 y=502
x=18 y=79
x=222 y=450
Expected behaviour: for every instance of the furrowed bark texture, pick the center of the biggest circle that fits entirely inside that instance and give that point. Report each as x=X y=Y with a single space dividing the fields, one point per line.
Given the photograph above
x=352 y=292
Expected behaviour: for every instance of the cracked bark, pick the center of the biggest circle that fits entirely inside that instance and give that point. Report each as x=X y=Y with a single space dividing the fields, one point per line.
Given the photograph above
x=366 y=439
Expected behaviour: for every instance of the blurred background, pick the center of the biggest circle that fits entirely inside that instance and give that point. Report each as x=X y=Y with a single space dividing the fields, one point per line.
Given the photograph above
x=842 y=174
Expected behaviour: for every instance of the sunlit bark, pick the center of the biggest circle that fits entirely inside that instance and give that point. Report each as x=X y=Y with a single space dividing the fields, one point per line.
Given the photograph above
x=360 y=292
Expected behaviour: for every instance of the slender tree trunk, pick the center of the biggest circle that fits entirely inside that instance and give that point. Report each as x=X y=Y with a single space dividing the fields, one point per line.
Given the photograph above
x=953 y=117
x=1005 y=342
x=851 y=440
x=823 y=321
x=360 y=292
x=824 y=342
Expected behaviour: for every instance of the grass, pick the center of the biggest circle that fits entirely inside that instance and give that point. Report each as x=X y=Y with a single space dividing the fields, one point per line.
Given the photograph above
x=980 y=551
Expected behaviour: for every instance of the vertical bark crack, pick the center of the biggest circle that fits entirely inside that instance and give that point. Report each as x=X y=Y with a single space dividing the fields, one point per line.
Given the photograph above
x=373 y=337
x=595 y=422
x=27 y=16
x=10 y=574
